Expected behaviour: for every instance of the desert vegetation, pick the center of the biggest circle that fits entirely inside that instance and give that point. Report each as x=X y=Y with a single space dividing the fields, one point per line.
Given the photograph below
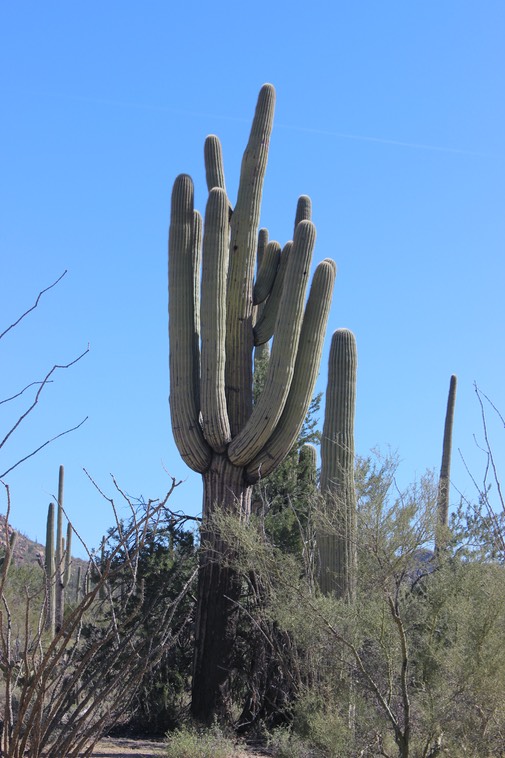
x=317 y=607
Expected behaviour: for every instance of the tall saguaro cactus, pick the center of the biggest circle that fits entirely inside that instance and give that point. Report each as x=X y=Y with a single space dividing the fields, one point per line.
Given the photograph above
x=445 y=468
x=337 y=542
x=220 y=431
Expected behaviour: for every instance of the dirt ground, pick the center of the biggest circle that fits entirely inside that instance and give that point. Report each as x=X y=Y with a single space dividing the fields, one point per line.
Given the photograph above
x=124 y=748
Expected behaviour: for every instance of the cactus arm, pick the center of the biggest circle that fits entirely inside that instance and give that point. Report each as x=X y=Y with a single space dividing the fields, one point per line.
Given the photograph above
x=68 y=556
x=265 y=326
x=184 y=392
x=213 y=157
x=243 y=237
x=270 y=406
x=262 y=246
x=267 y=271
x=308 y=357
x=303 y=210
x=216 y=427
x=196 y=256
x=7 y=559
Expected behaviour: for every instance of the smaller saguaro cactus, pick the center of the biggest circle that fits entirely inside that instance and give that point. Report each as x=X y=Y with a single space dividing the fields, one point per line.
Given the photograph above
x=58 y=561
x=445 y=468
x=337 y=538
x=50 y=572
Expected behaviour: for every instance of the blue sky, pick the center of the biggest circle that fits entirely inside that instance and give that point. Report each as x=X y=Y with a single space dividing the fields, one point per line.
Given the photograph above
x=389 y=115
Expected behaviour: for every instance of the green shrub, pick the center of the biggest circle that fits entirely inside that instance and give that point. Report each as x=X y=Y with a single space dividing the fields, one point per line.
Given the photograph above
x=195 y=743
x=283 y=743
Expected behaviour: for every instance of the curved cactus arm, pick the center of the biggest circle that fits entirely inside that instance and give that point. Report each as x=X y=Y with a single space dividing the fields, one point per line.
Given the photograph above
x=184 y=390
x=445 y=468
x=267 y=271
x=261 y=352
x=196 y=256
x=243 y=238
x=303 y=210
x=262 y=246
x=216 y=428
x=265 y=325
x=308 y=357
x=213 y=157
x=263 y=420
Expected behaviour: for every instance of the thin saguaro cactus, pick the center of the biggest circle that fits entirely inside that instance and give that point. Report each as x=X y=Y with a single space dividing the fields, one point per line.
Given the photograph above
x=337 y=538
x=445 y=468
x=221 y=432
x=50 y=572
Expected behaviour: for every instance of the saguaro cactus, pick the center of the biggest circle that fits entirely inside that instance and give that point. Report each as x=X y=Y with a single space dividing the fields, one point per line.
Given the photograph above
x=58 y=561
x=219 y=431
x=337 y=539
x=50 y=572
x=445 y=468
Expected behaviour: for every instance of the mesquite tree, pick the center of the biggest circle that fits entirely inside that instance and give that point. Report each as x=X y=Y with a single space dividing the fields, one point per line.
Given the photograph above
x=220 y=431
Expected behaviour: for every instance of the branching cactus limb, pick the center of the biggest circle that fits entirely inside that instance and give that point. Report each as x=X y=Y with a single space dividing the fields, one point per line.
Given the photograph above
x=337 y=544
x=223 y=430
x=305 y=374
x=184 y=389
x=445 y=468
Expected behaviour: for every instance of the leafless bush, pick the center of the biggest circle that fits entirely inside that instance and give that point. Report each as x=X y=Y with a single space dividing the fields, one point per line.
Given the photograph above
x=62 y=692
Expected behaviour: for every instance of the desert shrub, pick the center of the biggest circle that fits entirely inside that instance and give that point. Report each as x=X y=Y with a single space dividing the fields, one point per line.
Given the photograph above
x=190 y=742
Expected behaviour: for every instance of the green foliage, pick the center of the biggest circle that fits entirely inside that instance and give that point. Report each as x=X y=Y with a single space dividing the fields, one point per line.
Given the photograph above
x=284 y=743
x=166 y=562
x=418 y=654
x=190 y=742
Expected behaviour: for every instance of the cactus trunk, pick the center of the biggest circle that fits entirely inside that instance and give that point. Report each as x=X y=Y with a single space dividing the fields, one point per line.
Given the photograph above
x=224 y=430
x=218 y=592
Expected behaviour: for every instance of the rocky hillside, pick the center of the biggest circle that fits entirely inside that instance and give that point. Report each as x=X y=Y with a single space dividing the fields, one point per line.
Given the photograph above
x=25 y=550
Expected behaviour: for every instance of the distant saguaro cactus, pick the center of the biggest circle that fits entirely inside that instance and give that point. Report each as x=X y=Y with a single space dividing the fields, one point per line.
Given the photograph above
x=219 y=431
x=445 y=468
x=58 y=559
x=50 y=572
x=337 y=543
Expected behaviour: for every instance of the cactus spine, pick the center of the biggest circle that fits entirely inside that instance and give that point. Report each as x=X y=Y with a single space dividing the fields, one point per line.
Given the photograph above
x=218 y=430
x=337 y=543
x=445 y=468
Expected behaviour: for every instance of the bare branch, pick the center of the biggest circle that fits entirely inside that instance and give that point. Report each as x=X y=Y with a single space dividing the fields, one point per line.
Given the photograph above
x=18 y=394
x=47 y=442
x=33 y=306
x=39 y=391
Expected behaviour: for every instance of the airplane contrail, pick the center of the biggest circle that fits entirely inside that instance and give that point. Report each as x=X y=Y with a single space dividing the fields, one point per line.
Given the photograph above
x=291 y=127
